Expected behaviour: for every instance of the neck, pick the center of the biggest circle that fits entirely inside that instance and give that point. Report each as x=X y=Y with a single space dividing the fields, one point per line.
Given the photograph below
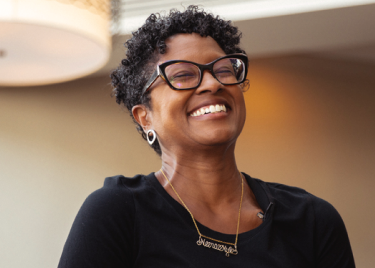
x=209 y=177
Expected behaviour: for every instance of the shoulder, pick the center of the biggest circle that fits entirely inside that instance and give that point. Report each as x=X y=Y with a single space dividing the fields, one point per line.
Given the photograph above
x=291 y=202
x=116 y=196
x=120 y=181
x=323 y=213
x=291 y=196
x=296 y=206
x=102 y=232
x=278 y=190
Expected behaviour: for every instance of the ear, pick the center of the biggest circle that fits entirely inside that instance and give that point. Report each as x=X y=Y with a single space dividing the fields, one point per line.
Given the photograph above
x=142 y=115
x=245 y=85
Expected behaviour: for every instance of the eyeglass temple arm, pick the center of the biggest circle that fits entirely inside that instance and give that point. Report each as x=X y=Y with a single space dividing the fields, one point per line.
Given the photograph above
x=152 y=79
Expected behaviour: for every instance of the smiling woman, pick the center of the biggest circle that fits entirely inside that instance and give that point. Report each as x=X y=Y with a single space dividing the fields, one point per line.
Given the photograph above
x=171 y=109
x=183 y=83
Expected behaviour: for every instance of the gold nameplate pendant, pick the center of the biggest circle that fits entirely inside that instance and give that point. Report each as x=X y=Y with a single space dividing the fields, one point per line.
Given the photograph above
x=227 y=249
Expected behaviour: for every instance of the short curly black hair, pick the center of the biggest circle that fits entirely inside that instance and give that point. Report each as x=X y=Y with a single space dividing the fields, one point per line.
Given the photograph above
x=131 y=76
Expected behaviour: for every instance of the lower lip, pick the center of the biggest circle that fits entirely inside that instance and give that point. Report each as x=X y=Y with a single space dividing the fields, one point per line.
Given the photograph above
x=210 y=116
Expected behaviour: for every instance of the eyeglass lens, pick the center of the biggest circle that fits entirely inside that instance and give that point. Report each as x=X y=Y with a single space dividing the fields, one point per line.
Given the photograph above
x=187 y=75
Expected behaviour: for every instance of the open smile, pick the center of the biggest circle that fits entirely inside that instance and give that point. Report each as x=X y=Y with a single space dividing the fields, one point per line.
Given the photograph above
x=210 y=109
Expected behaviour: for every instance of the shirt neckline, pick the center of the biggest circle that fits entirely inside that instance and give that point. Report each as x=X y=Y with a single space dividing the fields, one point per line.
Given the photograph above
x=260 y=191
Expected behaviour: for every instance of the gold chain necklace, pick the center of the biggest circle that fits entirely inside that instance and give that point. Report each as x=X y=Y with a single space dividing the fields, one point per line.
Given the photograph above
x=202 y=238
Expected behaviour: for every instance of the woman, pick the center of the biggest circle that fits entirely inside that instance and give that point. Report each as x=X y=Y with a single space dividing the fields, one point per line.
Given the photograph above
x=183 y=82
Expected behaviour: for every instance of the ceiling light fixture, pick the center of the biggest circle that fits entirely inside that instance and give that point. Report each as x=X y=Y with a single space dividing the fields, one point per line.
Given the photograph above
x=51 y=41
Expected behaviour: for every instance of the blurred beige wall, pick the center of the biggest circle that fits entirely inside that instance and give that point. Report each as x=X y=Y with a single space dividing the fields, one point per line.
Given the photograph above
x=310 y=123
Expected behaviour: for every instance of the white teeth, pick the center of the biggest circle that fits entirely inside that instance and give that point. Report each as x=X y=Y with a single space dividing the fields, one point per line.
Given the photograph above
x=212 y=109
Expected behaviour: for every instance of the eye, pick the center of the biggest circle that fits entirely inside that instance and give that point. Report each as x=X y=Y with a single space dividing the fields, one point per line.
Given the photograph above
x=181 y=72
x=224 y=71
x=181 y=76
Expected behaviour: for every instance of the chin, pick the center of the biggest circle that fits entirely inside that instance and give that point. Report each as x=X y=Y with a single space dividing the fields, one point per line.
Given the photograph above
x=220 y=139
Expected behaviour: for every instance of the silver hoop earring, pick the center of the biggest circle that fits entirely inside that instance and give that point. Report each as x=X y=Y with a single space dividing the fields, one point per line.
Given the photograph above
x=153 y=136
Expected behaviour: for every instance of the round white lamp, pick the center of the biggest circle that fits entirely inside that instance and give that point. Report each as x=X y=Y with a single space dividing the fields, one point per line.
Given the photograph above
x=51 y=41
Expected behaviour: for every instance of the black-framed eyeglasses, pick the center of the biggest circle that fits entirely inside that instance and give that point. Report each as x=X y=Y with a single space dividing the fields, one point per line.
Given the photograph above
x=183 y=75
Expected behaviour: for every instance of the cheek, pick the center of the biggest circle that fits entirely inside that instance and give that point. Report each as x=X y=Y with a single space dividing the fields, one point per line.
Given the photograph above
x=167 y=117
x=170 y=105
x=241 y=108
x=243 y=104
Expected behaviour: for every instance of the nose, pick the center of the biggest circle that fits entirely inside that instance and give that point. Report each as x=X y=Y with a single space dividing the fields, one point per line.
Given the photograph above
x=209 y=84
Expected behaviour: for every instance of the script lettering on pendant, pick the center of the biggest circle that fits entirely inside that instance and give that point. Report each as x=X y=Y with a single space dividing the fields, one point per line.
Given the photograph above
x=228 y=250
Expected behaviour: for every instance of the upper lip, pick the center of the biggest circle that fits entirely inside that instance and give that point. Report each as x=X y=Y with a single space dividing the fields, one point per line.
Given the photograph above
x=208 y=103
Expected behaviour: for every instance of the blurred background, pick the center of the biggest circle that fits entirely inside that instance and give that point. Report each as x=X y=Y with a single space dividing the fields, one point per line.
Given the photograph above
x=310 y=110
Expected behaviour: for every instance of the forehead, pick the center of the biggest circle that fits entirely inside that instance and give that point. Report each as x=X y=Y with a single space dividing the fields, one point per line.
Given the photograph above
x=191 y=47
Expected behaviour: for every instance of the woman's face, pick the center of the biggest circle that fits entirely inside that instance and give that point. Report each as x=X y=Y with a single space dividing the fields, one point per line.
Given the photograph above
x=171 y=114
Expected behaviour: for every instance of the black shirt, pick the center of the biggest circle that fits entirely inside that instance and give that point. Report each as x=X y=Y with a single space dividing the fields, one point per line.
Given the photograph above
x=134 y=222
